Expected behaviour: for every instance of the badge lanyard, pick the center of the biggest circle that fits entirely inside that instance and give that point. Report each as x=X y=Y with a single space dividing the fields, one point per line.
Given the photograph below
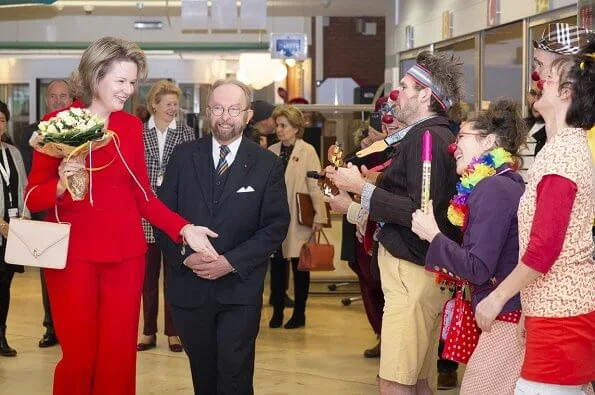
x=5 y=171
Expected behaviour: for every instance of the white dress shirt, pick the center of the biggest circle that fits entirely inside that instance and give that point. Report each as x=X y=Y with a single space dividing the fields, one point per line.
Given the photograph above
x=161 y=135
x=231 y=156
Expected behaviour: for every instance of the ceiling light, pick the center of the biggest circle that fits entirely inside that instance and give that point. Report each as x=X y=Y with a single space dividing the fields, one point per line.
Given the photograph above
x=148 y=25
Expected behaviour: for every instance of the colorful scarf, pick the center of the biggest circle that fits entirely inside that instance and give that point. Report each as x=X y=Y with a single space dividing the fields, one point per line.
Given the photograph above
x=482 y=167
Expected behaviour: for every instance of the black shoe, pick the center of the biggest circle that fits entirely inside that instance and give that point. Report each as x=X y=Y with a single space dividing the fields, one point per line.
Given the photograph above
x=288 y=302
x=447 y=380
x=276 y=321
x=5 y=349
x=295 y=322
x=147 y=346
x=48 y=340
x=373 y=352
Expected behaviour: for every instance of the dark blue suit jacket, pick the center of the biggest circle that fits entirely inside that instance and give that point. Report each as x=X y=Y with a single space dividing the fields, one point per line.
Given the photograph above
x=251 y=225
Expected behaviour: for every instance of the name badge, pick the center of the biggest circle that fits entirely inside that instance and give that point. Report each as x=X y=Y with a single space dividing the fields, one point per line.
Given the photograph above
x=159 y=180
x=13 y=212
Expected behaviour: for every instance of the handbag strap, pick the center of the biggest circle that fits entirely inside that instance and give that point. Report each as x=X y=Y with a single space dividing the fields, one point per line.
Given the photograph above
x=55 y=206
x=325 y=238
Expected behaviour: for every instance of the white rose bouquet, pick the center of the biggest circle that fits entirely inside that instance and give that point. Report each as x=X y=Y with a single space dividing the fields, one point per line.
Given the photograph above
x=72 y=134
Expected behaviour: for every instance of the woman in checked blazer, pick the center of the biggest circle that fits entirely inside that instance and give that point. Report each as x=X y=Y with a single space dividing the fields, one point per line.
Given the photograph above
x=161 y=133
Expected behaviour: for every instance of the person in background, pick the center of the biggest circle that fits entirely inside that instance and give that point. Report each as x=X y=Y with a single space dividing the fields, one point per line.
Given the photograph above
x=298 y=158
x=13 y=179
x=57 y=96
x=262 y=121
x=487 y=155
x=556 y=272
x=352 y=247
x=412 y=301
x=96 y=298
x=161 y=134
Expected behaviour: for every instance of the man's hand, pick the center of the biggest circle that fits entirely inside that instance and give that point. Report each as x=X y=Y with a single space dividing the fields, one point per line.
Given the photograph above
x=340 y=203
x=316 y=227
x=197 y=237
x=212 y=270
x=347 y=179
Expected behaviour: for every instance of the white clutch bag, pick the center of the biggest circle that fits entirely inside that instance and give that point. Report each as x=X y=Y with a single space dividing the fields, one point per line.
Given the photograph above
x=37 y=243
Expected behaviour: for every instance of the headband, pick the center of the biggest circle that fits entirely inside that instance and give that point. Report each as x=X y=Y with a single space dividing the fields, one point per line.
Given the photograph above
x=423 y=77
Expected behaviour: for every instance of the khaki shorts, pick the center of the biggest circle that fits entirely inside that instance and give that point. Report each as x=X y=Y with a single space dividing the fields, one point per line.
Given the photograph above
x=411 y=321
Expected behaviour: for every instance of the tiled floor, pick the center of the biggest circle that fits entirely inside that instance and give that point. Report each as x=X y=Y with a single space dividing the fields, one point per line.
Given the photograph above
x=323 y=358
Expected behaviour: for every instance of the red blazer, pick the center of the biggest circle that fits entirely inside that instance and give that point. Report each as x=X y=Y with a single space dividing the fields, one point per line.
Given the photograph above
x=111 y=229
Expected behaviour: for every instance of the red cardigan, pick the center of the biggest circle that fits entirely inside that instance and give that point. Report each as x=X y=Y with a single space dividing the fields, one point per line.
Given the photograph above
x=110 y=230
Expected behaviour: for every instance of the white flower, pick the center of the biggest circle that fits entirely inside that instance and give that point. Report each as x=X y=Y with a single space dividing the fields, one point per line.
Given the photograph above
x=43 y=126
x=63 y=114
x=90 y=124
x=59 y=125
x=77 y=111
x=70 y=121
x=52 y=129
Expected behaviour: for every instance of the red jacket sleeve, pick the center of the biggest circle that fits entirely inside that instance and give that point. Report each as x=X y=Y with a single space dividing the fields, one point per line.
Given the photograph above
x=150 y=207
x=555 y=194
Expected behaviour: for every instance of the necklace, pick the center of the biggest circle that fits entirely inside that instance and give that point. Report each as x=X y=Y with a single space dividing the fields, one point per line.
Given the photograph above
x=481 y=167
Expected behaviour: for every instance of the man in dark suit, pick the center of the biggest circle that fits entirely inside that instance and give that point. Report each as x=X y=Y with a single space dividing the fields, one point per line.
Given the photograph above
x=57 y=96
x=237 y=189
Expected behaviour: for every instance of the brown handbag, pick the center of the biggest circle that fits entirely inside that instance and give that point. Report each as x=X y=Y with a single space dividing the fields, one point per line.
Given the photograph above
x=306 y=210
x=317 y=257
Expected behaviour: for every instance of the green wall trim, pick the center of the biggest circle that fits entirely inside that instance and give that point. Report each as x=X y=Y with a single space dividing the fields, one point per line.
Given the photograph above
x=179 y=46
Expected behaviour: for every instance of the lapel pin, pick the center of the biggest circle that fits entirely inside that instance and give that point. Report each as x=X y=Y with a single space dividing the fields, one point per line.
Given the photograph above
x=295 y=158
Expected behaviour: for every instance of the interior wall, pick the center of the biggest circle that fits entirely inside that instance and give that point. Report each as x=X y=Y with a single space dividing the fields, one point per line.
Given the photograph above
x=469 y=16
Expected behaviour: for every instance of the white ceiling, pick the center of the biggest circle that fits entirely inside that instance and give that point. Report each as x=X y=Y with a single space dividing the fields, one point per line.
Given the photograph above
x=172 y=8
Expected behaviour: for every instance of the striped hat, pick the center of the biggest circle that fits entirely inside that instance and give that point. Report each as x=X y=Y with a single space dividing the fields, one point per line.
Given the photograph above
x=562 y=39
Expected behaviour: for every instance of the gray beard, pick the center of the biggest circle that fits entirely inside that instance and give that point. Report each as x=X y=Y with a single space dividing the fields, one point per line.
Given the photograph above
x=227 y=135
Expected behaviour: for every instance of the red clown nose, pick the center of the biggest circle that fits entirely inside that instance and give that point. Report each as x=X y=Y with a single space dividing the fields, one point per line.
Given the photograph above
x=452 y=148
x=388 y=119
x=394 y=95
x=535 y=76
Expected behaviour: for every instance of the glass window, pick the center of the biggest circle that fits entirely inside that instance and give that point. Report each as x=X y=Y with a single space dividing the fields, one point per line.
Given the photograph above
x=466 y=52
x=17 y=98
x=502 y=63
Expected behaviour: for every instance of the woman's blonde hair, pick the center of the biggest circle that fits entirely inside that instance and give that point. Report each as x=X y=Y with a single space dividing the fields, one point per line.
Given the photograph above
x=293 y=115
x=96 y=61
x=160 y=89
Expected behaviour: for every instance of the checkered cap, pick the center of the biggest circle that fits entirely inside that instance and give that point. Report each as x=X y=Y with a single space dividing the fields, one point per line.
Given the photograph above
x=562 y=38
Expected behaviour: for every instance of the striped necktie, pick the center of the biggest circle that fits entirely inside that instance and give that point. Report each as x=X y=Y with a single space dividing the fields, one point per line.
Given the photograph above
x=222 y=166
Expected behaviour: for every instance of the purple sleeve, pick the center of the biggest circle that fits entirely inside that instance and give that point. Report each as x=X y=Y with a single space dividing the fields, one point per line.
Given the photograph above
x=492 y=210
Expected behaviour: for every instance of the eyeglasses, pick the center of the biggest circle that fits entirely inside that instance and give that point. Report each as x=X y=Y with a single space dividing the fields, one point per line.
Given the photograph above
x=233 y=111
x=466 y=134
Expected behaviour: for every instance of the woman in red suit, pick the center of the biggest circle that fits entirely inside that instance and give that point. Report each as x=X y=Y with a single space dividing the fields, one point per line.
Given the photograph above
x=96 y=299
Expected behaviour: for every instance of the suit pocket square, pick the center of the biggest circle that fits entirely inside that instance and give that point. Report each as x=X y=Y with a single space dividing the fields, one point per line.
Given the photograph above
x=245 y=190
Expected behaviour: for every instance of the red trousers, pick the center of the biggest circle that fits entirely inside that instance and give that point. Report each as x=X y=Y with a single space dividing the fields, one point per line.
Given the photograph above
x=96 y=307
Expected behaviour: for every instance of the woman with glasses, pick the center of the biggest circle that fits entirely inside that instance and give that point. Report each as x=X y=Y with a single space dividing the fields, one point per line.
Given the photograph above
x=556 y=273
x=298 y=158
x=161 y=134
x=487 y=152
